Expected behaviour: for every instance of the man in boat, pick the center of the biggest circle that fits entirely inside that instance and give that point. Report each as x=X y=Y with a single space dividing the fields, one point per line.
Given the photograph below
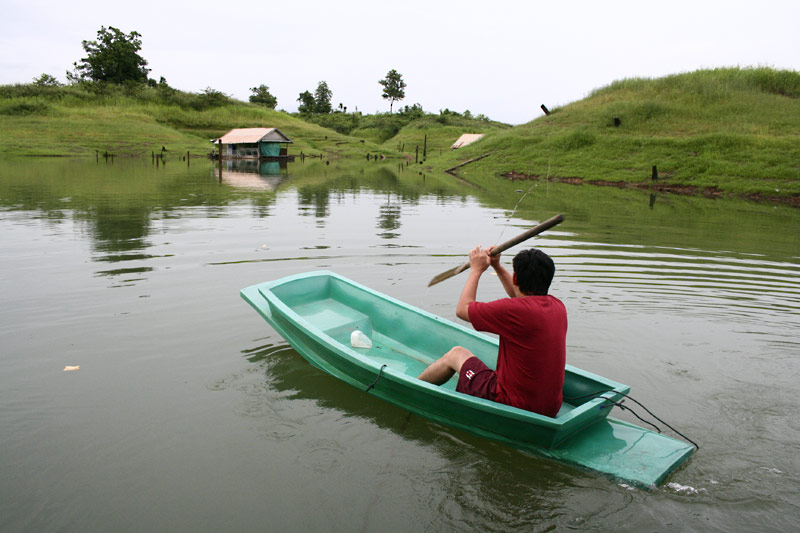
x=532 y=326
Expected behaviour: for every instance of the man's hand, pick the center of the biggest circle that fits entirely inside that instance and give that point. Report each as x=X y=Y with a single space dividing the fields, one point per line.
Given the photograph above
x=479 y=259
x=505 y=277
x=494 y=261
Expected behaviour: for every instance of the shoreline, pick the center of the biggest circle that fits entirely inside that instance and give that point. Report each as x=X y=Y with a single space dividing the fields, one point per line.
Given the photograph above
x=685 y=190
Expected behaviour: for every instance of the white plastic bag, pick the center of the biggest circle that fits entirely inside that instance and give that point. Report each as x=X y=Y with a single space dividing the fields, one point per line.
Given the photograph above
x=359 y=340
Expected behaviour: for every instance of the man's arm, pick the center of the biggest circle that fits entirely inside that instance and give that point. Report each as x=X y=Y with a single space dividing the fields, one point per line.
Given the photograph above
x=478 y=263
x=504 y=275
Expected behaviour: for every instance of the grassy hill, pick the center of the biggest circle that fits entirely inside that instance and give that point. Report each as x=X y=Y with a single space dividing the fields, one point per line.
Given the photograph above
x=134 y=121
x=438 y=133
x=716 y=131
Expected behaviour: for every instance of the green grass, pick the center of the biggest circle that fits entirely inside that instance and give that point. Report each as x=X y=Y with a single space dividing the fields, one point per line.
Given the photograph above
x=731 y=130
x=438 y=133
x=77 y=121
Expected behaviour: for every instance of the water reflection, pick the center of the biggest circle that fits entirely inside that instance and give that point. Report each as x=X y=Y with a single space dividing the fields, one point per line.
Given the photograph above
x=116 y=226
x=253 y=174
x=314 y=200
x=474 y=484
x=120 y=207
x=389 y=221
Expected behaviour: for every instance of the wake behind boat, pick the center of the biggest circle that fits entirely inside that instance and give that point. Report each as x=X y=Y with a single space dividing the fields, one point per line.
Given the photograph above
x=317 y=313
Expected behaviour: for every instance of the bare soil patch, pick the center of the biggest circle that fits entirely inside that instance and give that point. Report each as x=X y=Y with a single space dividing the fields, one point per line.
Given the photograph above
x=709 y=192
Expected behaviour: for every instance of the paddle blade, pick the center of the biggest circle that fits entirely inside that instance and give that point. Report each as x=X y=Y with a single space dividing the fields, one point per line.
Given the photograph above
x=448 y=274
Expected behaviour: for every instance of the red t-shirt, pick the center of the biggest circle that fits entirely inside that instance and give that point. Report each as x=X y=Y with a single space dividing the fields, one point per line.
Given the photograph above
x=533 y=338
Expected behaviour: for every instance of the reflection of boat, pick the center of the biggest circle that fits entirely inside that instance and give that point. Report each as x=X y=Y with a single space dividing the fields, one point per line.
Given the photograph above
x=253 y=174
x=317 y=312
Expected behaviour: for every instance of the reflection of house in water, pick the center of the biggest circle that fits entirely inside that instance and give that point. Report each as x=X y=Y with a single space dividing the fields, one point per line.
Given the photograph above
x=255 y=143
x=253 y=173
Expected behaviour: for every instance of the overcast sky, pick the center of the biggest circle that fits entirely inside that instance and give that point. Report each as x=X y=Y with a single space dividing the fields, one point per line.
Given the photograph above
x=499 y=58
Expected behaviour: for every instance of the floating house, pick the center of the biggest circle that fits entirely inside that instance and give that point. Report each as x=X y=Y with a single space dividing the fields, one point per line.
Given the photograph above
x=467 y=138
x=254 y=143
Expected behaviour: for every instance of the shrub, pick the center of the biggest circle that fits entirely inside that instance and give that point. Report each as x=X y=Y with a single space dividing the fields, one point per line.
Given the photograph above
x=210 y=98
x=26 y=108
x=782 y=82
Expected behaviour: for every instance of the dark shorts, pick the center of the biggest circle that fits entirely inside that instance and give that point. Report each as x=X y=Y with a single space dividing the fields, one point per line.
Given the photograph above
x=477 y=379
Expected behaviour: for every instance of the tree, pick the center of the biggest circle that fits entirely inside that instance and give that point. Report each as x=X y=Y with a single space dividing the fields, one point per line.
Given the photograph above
x=261 y=95
x=306 y=100
x=113 y=58
x=209 y=98
x=322 y=98
x=46 y=80
x=393 y=87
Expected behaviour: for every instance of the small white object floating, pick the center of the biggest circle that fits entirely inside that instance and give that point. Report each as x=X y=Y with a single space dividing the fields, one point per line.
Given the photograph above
x=71 y=368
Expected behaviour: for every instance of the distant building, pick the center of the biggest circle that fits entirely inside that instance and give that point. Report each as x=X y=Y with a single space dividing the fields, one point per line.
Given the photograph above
x=467 y=138
x=254 y=143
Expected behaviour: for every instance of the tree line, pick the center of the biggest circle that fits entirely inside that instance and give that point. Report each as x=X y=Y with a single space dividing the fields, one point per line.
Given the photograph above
x=114 y=58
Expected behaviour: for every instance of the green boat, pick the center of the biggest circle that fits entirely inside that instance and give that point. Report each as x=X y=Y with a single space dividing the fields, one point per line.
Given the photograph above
x=317 y=313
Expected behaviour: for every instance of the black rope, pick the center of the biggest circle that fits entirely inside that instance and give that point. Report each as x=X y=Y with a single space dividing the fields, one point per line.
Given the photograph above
x=380 y=373
x=634 y=413
x=626 y=408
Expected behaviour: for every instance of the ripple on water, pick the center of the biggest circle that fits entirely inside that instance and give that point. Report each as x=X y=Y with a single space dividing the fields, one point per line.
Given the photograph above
x=321 y=455
x=716 y=285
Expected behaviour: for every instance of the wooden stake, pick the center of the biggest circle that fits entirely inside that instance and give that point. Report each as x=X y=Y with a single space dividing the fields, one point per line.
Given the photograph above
x=467 y=162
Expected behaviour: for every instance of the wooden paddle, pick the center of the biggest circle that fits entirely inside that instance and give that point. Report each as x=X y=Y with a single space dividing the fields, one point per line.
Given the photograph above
x=500 y=248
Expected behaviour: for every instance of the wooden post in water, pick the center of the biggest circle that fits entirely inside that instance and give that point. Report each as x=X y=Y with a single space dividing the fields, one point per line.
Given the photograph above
x=416 y=158
x=219 y=153
x=425 y=148
x=188 y=156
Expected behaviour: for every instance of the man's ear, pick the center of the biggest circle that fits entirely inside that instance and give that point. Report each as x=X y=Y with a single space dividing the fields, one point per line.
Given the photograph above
x=514 y=279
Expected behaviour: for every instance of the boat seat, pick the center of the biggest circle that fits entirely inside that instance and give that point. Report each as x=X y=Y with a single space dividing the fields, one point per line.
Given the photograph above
x=564 y=409
x=335 y=319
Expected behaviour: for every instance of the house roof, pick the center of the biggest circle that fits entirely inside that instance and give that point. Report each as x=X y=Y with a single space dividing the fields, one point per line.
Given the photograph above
x=467 y=138
x=254 y=135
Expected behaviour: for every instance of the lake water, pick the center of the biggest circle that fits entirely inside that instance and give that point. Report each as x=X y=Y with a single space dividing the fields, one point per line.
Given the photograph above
x=189 y=413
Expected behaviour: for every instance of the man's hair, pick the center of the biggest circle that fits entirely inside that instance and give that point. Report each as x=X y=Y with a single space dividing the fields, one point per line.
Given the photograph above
x=534 y=270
